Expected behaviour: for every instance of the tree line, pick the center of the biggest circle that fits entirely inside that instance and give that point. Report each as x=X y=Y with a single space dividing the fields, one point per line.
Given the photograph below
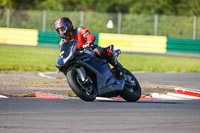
x=168 y=7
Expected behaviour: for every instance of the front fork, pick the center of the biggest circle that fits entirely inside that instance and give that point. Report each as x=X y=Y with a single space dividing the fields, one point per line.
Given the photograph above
x=81 y=73
x=83 y=76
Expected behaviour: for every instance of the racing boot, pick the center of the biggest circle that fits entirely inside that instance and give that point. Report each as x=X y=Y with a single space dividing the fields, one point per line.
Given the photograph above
x=114 y=62
x=111 y=56
x=119 y=69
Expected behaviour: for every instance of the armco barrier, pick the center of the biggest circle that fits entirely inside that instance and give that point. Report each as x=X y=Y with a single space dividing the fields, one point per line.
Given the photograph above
x=97 y=38
x=183 y=45
x=30 y=37
x=134 y=43
x=129 y=43
x=16 y=36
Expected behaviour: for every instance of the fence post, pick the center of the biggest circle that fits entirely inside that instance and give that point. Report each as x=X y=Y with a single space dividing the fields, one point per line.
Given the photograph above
x=44 y=20
x=194 y=26
x=119 y=23
x=8 y=18
x=82 y=15
x=156 y=24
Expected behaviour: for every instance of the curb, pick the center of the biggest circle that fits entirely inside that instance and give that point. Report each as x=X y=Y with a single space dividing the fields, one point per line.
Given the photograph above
x=148 y=98
x=52 y=96
x=46 y=96
x=42 y=95
x=187 y=92
x=179 y=94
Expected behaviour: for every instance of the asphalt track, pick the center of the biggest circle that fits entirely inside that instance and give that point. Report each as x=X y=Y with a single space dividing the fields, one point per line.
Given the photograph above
x=174 y=79
x=33 y=115
x=76 y=116
x=177 y=79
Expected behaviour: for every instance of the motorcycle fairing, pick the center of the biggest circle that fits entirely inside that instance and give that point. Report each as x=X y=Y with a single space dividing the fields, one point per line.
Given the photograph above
x=66 y=53
x=106 y=83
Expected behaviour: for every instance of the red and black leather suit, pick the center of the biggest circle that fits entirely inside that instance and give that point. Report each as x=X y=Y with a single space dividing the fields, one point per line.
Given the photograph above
x=82 y=35
x=86 y=39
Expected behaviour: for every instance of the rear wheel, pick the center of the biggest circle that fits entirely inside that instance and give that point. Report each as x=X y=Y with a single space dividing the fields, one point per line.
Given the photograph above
x=132 y=89
x=84 y=90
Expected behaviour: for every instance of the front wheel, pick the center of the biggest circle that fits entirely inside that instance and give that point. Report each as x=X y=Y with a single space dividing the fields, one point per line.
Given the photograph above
x=84 y=90
x=132 y=89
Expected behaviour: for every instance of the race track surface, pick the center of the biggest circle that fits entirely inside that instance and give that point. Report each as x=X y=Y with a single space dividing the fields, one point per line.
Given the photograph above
x=178 y=79
x=174 y=79
x=76 y=116
x=31 y=115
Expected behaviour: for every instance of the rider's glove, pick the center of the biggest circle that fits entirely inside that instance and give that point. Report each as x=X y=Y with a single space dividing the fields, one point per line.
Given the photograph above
x=87 y=45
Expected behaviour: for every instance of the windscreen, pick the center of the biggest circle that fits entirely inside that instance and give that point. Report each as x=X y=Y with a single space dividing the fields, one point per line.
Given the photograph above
x=65 y=52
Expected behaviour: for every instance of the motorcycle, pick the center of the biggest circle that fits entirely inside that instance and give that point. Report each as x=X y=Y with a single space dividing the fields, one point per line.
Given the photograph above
x=90 y=76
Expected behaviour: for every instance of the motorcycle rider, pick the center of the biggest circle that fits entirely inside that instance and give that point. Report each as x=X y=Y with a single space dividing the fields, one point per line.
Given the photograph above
x=64 y=28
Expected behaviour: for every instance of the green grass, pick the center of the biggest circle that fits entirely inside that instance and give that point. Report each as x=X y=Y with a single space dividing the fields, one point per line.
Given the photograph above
x=159 y=63
x=18 y=58
x=15 y=58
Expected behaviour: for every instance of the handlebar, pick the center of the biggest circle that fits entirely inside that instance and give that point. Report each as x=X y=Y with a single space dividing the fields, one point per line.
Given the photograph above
x=86 y=48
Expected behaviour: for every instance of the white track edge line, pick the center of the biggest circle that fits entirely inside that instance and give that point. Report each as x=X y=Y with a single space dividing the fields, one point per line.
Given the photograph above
x=2 y=96
x=43 y=75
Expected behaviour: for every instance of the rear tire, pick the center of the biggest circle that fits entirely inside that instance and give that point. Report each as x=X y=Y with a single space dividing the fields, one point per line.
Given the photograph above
x=132 y=89
x=79 y=88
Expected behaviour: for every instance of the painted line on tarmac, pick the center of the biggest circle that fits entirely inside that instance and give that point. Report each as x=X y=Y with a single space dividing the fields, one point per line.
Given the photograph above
x=2 y=96
x=45 y=75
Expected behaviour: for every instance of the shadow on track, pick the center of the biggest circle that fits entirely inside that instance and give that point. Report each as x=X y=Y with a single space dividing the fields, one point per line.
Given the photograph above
x=143 y=101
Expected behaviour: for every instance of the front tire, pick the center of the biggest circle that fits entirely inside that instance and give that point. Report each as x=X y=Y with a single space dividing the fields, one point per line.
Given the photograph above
x=85 y=91
x=132 y=89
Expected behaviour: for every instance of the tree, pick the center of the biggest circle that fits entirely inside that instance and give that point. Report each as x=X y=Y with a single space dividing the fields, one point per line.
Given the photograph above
x=17 y=4
x=194 y=5
x=169 y=7
x=175 y=7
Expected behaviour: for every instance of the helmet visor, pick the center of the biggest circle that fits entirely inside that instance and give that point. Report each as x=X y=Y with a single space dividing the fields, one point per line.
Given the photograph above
x=62 y=30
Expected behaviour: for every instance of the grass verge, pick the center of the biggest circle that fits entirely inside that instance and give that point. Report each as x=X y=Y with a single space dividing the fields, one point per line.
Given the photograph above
x=19 y=58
